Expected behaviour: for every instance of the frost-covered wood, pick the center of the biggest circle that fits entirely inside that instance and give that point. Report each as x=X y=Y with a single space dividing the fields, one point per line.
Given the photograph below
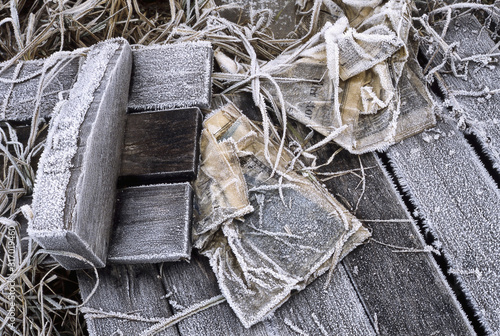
x=130 y=295
x=335 y=310
x=402 y=289
x=475 y=97
x=161 y=146
x=400 y=285
x=75 y=188
x=26 y=82
x=152 y=224
x=171 y=76
x=460 y=204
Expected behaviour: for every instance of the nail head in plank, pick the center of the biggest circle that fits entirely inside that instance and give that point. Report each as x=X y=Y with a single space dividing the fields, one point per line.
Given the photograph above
x=460 y=204
x=134 y=290
x=171 y=76
x=161 y=146
x=75 y=188
x=20 y=82
x=336 y=308
x=152 y=224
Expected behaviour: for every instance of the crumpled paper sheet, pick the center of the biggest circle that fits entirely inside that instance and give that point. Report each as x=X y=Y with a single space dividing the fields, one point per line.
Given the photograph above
x=265 y=234
x=347 y=76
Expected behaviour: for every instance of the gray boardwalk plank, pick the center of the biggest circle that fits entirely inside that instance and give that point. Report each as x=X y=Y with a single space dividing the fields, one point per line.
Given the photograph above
x=460 y=204
x=152 y=224
x=480 y=111
x=171 y=76
x=402 y=289
x=80 y=164
x=335 y=310
x=124 y=289
x=20 y=83
x=161 y=146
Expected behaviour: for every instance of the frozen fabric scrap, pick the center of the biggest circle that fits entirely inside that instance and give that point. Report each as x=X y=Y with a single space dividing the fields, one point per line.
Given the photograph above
x=296 y=232
x=348 y=76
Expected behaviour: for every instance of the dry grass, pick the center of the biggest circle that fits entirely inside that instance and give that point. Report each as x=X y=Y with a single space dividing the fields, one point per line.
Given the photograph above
x=46 y=296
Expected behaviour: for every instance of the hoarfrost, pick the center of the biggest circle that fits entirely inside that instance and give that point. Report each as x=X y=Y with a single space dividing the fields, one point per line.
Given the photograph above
x=55 y=166
x=260 y=247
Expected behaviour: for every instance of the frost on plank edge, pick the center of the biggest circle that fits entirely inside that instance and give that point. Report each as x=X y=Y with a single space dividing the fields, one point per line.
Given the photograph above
x=62 y=142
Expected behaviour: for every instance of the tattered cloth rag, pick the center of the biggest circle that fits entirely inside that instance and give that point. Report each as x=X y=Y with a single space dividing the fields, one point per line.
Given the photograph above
x=265 y=234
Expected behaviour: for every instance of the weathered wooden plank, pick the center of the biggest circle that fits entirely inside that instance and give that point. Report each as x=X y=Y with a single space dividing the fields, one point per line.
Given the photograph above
x=335 y=310
x=171 y=76
x=402 y=289
x=20 y=84
x=75 y=187
x=133 y=295
x=161 y=146
x=460 y=204
x=472 y=96
x=152 y=224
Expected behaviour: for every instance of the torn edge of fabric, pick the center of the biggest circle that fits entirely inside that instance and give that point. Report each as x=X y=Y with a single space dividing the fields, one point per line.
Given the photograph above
x=265 y=234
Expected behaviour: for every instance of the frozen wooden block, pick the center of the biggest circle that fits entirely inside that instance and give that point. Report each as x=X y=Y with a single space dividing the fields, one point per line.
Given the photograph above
x=460 y=204
x=161 y=147
x=75 y=188
x=171 y=76
x=21 y=82
x=152 y=224
x=132 y=295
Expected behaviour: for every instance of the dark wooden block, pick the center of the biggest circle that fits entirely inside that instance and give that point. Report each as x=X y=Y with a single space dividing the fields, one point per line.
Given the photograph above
x=152 y=224
x=20 y=82
x=161 y=146
x=171 y=76
x=75 y=188
x=134 y=290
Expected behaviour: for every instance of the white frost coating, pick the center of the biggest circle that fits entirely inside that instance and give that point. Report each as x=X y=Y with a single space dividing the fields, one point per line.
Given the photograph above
x=466 y=225
x=62 y=142
x=281 y=246
x=171 y=76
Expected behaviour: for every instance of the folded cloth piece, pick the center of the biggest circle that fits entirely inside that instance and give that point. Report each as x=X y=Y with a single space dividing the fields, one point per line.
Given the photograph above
x=266 y=234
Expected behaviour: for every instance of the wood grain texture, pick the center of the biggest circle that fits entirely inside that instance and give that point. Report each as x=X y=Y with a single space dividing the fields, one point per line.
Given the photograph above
x=76 y=179
x=335 y=310
x=20 y=84
x=152 y=224
x=460 y=204
x=171 y=76
x=135 y=290
x=161 y=147
x=480 y=111
x=402 y=292
x=400 y=285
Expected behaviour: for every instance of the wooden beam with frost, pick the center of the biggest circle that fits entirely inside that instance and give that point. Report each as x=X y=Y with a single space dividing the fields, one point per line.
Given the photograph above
x=76 y=180
x=171 y=76
x=22 y=83
x=475 y=96
x=460 y=205
x=128 y=300
x=334 y=310
x=153 y=224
